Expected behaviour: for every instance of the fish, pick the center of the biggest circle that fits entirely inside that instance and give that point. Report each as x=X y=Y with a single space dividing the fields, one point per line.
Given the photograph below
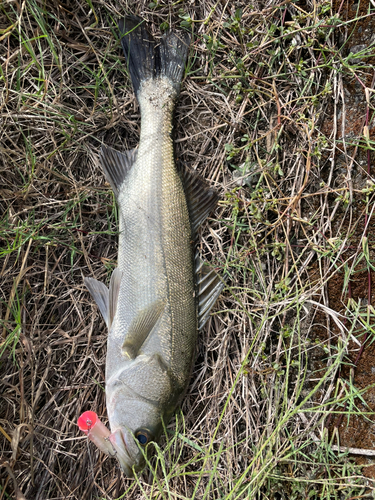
x=161 y=292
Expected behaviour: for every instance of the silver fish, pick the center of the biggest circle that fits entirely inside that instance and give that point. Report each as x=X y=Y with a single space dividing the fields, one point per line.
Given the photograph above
x=161 y=293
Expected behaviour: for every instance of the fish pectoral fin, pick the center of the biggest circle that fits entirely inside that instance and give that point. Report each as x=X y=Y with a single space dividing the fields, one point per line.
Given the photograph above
x=116 y=165
x=210 y=286
x=201 y=199
x=100 y=293
x=114 y=289
x=140 y=328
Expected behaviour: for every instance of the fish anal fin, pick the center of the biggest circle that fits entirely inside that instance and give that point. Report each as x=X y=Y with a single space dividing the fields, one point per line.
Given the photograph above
x=210 y=286
x=116 y=165
x=100 y=293
x=201 y=199
x=140 y=328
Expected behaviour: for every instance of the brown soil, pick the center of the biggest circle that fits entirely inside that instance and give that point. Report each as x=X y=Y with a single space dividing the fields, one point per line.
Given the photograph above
x=359 y=368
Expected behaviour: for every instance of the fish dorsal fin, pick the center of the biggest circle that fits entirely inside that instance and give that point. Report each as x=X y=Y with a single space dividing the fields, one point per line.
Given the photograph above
x=140 y=328
x=201 y=199
x=116 y=165
x=114 y=289
x=100 y=293
x=210 y=286
x=105 y=299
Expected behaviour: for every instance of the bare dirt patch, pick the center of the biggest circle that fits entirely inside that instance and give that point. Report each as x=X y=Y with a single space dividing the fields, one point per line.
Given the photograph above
x=355 y=224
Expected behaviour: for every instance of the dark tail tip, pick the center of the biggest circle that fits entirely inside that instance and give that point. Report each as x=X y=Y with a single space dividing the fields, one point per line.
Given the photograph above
x=147 y=58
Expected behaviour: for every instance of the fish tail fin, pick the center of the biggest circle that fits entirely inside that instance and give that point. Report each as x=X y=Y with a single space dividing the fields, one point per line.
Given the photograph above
x=150 y=59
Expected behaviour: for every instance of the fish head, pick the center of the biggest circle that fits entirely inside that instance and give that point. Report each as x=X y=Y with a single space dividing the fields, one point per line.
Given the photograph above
x=135 y=423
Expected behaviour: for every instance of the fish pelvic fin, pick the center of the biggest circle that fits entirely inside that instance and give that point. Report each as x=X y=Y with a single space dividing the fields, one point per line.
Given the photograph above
x=116 y=165
x=100 y=293
x=147 y=58
x=106 y=299
x=140 y=328
x=210 y=285
x=114 y=290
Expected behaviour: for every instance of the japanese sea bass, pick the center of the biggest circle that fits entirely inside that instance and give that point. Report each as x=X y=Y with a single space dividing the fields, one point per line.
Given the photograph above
x=161 y=293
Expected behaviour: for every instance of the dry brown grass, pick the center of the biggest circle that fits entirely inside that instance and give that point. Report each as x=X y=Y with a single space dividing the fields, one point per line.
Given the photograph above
x=256 y=100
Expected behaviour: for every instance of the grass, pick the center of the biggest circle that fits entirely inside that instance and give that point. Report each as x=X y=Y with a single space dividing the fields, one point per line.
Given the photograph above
x=277 y=113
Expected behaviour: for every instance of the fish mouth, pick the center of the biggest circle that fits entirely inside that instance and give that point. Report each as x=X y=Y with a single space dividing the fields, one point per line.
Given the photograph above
x=129 y=462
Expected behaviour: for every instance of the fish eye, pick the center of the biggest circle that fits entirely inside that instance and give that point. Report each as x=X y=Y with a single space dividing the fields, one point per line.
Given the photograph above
x=143 y=436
